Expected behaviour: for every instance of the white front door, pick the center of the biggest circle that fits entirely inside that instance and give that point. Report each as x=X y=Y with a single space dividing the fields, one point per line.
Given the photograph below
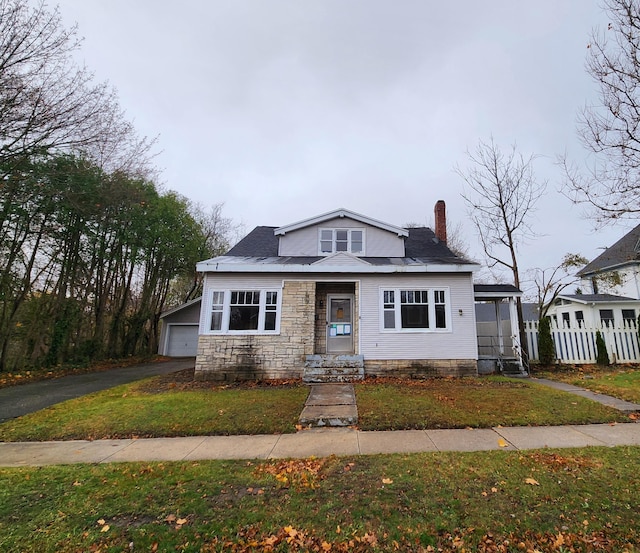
x=340 y=324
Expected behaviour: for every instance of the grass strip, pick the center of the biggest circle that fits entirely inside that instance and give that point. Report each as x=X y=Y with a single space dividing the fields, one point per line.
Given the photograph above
x=571 y=500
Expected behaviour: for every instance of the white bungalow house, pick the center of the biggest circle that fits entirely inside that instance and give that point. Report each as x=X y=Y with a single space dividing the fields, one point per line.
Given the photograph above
x=338 y=296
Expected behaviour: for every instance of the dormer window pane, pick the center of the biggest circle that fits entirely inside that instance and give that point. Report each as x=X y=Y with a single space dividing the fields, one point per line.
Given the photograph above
x=356 y=241
x=342 y=240
x=326 y=241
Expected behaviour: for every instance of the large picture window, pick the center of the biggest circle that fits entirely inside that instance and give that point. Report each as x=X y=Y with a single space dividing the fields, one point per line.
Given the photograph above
x=414 y=310
x=341 y=240
x=244 y=311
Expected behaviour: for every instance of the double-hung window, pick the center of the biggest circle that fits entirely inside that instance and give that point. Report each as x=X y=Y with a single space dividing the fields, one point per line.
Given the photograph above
x=415 y=310
x=341 y=240
x=244 y=311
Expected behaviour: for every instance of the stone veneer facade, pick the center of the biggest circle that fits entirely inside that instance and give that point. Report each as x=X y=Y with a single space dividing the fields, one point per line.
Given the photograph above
x=264 y=356
x=420 y=368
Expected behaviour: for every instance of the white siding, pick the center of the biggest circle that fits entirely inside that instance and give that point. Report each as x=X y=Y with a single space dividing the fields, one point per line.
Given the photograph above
x=378 y=242
x=459 y=343
x=630 y=287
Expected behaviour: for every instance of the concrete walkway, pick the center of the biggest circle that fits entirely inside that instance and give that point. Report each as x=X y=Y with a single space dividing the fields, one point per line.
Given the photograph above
x=619 y=404
x=330 y=405
x=318 y=443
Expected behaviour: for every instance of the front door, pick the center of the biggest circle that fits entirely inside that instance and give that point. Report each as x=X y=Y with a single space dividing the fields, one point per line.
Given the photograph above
x=340 y=324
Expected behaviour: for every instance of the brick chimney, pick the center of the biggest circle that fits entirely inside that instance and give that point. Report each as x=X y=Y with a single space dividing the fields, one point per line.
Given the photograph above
x=441 y=221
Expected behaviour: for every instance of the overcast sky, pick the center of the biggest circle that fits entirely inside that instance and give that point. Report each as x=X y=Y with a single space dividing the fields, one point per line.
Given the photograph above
x=285 y=109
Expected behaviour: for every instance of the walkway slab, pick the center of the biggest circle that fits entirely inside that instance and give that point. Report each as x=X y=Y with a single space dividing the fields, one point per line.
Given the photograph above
x=234 y=447
x=59 y=453
x=330 y=405
x=317 y=443
x=472 y=439
x=612 y=434
x=537 y=437
x=401 y=441
x=156 y=449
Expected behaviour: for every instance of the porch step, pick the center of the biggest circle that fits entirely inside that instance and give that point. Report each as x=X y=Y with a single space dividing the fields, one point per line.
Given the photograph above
x=330 y=405
x=511 y=367
x=333 y=368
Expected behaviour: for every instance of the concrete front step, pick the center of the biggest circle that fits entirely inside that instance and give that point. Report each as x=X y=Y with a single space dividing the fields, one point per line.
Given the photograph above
x=333 y=368
x=330 y=405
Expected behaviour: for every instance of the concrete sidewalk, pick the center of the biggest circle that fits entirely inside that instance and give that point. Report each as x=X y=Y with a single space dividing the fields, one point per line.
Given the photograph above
x=317 y=442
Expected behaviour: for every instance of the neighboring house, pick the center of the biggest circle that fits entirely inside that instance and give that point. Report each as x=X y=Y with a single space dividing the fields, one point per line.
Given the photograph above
x=338 y=296
x=622 y=260
x=179 y=331
x=594 y=310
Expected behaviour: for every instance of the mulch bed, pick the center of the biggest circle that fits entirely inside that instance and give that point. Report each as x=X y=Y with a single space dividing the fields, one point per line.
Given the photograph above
x=184 y=381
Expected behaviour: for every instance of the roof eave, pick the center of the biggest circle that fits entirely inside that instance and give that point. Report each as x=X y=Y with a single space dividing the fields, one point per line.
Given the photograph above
x=341 y=213
x=221 y=267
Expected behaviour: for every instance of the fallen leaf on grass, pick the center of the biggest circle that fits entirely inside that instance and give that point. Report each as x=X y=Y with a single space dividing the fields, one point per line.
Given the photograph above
x=532 y=482
x=387 y=481
x=105 y=528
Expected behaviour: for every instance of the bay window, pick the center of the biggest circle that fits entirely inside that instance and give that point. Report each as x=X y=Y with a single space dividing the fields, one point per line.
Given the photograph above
x=244 y=311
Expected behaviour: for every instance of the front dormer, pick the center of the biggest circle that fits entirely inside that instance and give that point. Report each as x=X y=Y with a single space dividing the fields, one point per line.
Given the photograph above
x=341 y=231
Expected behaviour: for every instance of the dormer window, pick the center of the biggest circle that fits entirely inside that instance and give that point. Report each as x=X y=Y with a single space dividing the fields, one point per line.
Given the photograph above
x=341 y=240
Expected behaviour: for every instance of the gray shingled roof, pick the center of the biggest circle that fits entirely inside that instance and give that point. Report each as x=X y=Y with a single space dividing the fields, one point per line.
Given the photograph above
x=421 y=246
x=624 y=251
x=596 y=298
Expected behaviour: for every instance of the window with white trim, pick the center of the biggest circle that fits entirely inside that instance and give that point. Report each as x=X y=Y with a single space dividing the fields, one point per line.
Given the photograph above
x=333 y=240
x=419 y=310
x=217 y=307
x=244 y=311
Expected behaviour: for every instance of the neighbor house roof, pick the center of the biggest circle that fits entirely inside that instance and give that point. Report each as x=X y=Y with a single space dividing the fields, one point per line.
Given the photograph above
x=623 y=252
x=595 y=298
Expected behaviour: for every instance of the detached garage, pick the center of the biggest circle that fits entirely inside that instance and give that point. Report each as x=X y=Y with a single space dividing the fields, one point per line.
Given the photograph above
x=179 y=333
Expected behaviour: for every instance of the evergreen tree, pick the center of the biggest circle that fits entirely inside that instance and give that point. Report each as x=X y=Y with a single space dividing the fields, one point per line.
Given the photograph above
x=546 y=349
x=602 y=357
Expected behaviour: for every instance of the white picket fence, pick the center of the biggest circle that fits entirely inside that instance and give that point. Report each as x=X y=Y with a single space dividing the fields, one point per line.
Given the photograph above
x=578 y=345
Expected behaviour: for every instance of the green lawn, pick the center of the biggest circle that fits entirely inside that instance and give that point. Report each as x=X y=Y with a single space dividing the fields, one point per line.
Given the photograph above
x=569 y=500
x=158 y=407
x=620 y=382
x=129 y=410
x=472 y=402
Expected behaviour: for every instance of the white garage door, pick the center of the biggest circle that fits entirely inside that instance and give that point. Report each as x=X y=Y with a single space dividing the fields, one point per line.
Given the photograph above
x=182 y=341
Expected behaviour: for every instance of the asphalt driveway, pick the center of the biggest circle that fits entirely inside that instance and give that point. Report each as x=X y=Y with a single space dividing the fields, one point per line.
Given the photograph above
x=16 y=401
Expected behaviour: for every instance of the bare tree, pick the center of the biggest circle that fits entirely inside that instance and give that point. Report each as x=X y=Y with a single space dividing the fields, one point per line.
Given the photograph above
x=551 y=282
x=46 y=101
x=501 y=192
x=609 y=185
